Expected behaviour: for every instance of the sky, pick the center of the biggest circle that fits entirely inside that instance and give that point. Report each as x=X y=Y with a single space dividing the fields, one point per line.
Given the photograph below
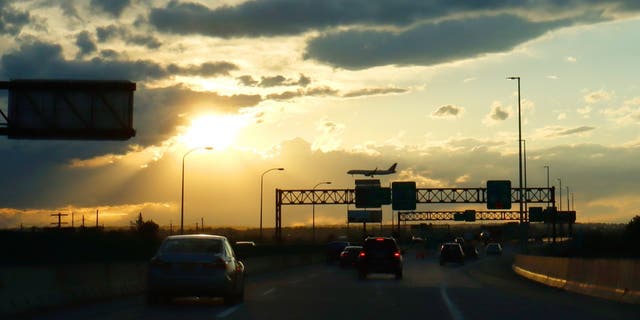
x=319 y=88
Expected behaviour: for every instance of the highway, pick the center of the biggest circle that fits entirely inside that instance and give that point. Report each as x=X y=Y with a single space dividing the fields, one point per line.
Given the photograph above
x=481 y=289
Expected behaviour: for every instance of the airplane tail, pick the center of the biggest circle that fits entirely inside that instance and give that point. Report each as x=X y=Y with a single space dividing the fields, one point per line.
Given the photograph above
x=393 y=167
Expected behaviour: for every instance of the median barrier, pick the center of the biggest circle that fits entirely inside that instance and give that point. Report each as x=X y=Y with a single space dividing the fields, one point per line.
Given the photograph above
x=617 y=280
x=30 y=288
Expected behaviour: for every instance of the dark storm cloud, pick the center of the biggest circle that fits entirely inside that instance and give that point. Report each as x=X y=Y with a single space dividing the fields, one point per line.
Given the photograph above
x=85 y=43
x=448 y=111
x=113 y=7
x=427 y=32
x=52 y=64
x=427 y=44
x=11 y=19
x=112 y=31
x=289 y=17
x=69 y=10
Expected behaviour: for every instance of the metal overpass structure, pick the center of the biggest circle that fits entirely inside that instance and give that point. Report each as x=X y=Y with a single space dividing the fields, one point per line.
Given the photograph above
x=540 y=195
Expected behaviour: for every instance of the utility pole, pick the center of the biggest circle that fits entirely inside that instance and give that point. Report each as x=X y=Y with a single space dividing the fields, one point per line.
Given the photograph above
x=72 y=218
x=59 y=215
x=202 y=223
x=96 y=218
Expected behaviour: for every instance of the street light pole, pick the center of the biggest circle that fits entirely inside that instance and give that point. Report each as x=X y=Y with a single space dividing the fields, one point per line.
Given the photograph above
x=526 y=199
x=547 y=167
x=560 y=201
x=182 y=194
x=261 y=189
x=519 y=146
x=313 y=208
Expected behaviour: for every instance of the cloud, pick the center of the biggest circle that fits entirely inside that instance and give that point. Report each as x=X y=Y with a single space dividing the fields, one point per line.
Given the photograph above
x=52 y=64
x=12 y=20
x=558 y=131
x=448 y=111
x=364 y=34
x=585 y=112
x=158 y=111
x=571 y=59
x=309 y=92
x=85 y=43
x=274 y=81
x=112 y=7
x=329 y=138
x=497 y=114
x=113 y=31
x=597 y=96
x=373 y=91
x=561 y=116
x=425 y=44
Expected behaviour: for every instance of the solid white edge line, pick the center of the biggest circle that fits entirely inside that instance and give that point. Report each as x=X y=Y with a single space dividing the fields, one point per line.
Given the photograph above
x=228 y=311
x=453 y=310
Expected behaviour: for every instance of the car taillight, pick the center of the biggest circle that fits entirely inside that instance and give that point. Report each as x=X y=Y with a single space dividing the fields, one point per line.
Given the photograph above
x=396 y=254
x=379 y=239
x=361 y=254
x=343 y=254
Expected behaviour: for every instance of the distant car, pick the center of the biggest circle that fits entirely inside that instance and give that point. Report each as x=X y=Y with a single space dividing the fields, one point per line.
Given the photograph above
x=493 y=248
x=380 y=255
x=451 y=252
x=349 y=256
x=195 y=265
x=333 y=250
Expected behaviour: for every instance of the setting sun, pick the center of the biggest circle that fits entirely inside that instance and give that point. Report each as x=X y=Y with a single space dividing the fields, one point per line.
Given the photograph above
x=217 y=131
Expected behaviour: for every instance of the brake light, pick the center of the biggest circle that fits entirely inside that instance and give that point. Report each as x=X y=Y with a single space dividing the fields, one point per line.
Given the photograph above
x=361 y=254
x=379 y=239
x=396 y=254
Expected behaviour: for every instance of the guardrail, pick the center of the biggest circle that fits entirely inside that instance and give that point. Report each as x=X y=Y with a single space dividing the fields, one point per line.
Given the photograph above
x=617 y=280
x=30 y=288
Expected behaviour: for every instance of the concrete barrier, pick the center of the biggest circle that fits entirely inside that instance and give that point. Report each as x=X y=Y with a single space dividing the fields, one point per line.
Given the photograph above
x=617 y=280
x=24 y=289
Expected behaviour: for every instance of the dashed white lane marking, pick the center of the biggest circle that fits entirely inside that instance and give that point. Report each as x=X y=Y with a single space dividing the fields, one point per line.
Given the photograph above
x=228 y=311
x=270 y=291
x=453 y=310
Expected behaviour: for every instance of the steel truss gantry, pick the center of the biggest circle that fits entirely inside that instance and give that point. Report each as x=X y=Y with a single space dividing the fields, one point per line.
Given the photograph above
x=449 y=215
x=423 y=195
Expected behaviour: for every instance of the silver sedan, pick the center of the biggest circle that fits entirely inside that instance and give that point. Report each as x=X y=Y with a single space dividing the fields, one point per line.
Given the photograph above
x=195 y=265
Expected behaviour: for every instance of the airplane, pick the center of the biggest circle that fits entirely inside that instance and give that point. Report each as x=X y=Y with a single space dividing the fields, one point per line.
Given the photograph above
x=371 y=173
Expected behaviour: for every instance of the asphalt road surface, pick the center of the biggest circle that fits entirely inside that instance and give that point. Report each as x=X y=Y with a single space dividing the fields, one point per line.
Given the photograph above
x=481 y=289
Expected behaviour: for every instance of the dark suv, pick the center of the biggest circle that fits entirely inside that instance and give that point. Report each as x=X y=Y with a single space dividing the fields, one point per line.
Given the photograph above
x=380 y=255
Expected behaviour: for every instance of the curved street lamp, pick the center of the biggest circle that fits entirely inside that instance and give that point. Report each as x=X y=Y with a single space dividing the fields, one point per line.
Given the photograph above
x=313 y=208
x=261 y=189
x=182 y=195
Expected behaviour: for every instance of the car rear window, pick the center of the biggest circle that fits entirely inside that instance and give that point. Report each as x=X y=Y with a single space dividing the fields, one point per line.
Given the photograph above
x=386 y=245
x=192 y=246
